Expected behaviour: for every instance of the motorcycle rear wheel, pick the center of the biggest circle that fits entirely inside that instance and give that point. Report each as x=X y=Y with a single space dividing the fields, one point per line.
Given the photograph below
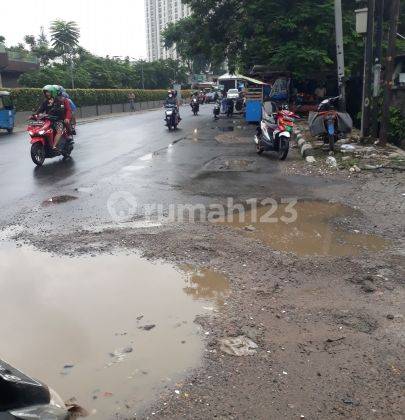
x=38 y=154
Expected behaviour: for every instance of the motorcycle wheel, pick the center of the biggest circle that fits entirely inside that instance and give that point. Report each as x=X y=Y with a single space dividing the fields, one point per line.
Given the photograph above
x=331 y=138
x=259 y=150
x=66 y=154
x=38 y=154
x=283 y=149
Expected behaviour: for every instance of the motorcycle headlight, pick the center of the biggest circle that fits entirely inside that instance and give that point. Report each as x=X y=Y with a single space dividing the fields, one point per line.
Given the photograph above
x=31 y=133
x=41 y=132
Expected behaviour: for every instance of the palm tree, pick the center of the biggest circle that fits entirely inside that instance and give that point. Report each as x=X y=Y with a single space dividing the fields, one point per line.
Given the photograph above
x=65 y=37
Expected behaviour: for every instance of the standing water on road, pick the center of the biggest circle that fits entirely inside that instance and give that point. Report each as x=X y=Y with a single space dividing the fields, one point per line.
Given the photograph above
x=110 y=331
x=311 y=232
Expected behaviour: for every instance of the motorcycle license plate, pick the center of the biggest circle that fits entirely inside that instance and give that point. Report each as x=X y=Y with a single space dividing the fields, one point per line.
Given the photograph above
x=331 y=129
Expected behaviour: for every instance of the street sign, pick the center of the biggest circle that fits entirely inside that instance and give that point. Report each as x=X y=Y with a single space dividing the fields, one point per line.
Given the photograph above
x=361 y=21
x=199 y=78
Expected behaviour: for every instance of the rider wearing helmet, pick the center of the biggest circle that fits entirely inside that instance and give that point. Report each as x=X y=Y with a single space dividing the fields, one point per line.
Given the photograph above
x=56 y=107
x=64 y=96
x=172 y=100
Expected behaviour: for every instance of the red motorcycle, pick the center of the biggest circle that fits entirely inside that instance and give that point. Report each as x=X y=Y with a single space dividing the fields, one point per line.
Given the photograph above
x=40 y=129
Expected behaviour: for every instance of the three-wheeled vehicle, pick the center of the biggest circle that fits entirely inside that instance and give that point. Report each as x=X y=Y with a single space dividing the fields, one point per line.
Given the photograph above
x=7 y=112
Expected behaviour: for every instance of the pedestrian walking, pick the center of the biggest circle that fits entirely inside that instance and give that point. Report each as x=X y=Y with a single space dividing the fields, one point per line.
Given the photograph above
x=131 y=99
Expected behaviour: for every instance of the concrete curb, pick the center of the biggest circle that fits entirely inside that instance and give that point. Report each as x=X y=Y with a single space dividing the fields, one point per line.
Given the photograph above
x=305 y=147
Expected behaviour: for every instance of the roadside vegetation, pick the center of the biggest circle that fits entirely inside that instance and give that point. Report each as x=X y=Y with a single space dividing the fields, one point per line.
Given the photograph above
x=57 y=54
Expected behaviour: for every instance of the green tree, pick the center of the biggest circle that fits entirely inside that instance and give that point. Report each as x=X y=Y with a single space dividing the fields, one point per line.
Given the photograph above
x=30 y=40
x=2 y=39
x=65 y=37
x=294 y=35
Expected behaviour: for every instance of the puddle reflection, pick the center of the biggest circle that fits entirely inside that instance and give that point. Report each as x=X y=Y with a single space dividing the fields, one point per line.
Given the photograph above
x=205 y=284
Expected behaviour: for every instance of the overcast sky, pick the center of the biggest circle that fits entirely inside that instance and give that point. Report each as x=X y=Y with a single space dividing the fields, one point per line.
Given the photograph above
x=107 y=27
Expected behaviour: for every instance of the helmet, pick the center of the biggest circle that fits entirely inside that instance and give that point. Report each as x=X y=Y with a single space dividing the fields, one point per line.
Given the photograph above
x=51 y=89
x=60 y=91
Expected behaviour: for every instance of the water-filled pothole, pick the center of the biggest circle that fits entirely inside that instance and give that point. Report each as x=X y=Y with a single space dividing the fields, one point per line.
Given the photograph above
x=230 y=164
x=59 y=199
x=311 y=232
x=226 y=129
x=109 y=331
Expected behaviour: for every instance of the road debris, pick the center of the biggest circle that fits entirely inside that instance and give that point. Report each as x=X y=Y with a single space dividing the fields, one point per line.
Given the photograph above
x=238 y=346
x=147 y=327
x=59 y=199
x=331 y=161
x=120 y=354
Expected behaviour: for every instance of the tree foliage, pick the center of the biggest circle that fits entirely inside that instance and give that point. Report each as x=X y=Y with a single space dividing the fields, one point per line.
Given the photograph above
x=192 y=45
x=95 y=72
x=294 y=35
x=65 y=37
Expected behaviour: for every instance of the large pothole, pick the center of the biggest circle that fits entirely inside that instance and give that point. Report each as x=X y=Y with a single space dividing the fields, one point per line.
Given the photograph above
x=305 y=228
x=109 y=331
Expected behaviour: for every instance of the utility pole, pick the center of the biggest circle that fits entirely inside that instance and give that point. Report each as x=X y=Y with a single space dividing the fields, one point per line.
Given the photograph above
x=389 y=70
x=379 y=13
x=72 y=65
x=340 y=57
x=368 y=67
x=142 y=74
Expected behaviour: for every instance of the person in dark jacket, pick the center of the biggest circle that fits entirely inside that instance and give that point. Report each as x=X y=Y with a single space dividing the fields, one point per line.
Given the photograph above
x=55 y=107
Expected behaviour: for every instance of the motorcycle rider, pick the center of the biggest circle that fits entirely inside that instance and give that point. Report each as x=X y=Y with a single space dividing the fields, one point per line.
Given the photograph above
x=54 y=106
x=193 y=96
x=173 y=100
x=64 y=96
x=194 y=102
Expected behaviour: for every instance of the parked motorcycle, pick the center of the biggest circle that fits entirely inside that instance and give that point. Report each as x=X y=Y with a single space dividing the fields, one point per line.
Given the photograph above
x=40 y=129
x=22 y=397
x=171 y=116
x=274 y=132
x=329 y=113
x=195 y=106
x=217 y=109
x=239 y=104
x=228 y=107
x=328 y=123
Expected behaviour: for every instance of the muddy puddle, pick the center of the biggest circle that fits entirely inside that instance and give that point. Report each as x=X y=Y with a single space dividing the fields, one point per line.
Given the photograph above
x=311 y=232
x=111 y=331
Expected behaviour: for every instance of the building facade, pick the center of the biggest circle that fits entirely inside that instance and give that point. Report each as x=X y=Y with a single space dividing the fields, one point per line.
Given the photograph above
x=13 y=65
x=158 y=14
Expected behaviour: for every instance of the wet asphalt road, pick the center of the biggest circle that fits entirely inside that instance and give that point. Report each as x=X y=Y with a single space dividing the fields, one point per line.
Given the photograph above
x=136 y=154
